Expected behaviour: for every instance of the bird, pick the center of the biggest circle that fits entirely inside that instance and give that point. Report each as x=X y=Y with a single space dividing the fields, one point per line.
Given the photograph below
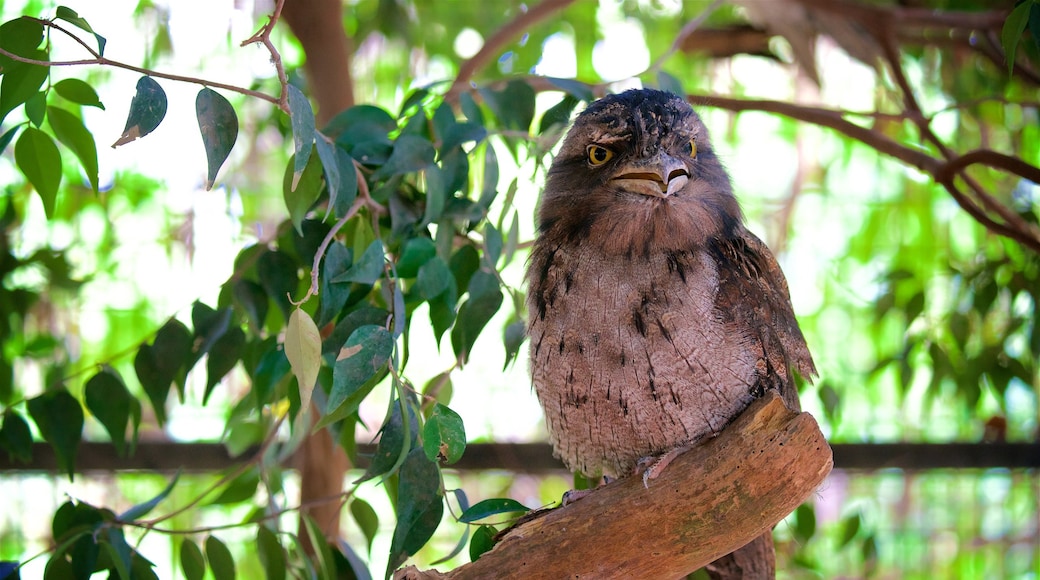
x=655 y=316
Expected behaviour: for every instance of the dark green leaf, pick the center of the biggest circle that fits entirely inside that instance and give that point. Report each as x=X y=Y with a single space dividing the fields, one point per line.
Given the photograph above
x=1034 y=26
x=21 y=82
x=7 y=137
x=326 y=150
x=302 y=118
x=365 y=352
x=416 y=252
x=239 y=489
x=460 y=496
x=559 y=115
x=362 y=316
x=471 y=109
x=164 y=362
x=483 y=540
x=38 y=158
x=69 y=15
x=464 y=263
x=513 y=105
x=36 y=108
x=348 y=183
x=410 y=154
x=366 y=519
x=69 y=129
x=271 y=553
x=513 y=337
x=209 y=325
x=109 y=400
x=489 y=190
x=78 y=92
x=1011 y=33
x=433 y=279
x=15 y=437
x=395 y=441
x=805 y=522
x=251 y=298
x=322 y=554
x=574 y=88
x=192 y=562
x=461 y=133
x=492 y=245
x=492 y=507
x=270 y=369
x=226 y=352
x=220 y=560
x=444 y=436
x=279 y=276
x=60 y=420
x=367 y=269
x=219 y=127
x=119 y=551
x=485 y=298
x=849 y=530
x=333 y=297
x=419 y=507
x=147 y=110
x=142 y=509
x=300 y=197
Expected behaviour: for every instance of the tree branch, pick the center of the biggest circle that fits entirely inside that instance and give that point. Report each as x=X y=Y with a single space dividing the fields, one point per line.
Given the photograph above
x=709 y=502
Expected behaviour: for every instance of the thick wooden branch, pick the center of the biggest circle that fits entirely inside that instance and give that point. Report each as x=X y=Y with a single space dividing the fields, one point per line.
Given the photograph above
x=707 y=503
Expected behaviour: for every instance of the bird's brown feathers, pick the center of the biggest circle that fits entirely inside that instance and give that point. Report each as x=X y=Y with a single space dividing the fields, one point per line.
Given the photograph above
x=654 y=320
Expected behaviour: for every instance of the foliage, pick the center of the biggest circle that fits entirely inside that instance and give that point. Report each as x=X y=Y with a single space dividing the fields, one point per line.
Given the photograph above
x=394 y=211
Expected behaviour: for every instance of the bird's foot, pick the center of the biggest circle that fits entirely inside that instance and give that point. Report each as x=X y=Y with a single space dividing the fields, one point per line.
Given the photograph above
x=653 y=466
x=574 y=495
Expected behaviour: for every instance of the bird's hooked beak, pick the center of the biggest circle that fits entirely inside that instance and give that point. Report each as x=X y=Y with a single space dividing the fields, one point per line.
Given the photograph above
x=659 y=176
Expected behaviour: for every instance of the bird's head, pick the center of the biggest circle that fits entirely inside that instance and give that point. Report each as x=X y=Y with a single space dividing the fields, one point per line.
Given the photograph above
x=638 y=169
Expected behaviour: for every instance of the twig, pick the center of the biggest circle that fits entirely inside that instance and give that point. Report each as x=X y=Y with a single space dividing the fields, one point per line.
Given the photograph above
x=263 y=36
x=688 y=29
x=504 y=35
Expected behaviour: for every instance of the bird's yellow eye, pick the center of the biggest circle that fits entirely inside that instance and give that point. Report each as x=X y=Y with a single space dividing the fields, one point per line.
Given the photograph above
x=598 y=155
x=693 y=148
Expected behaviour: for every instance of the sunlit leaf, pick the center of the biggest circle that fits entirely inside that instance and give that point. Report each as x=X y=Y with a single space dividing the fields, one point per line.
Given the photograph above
x=109 y=400
x=78 y=92
x=38 y=158
x=69 y=15
x=365 y=352
x=492 y=507
x=220 y=560
x=147 y=110
x=193 y=563
x=302 y=118
x=142 y=509
x=69 y=129
x=218 y=124
x=60 y=421
x=419 y=507
x=483 y=540
x=303 y=349
x=15 y=437
x=271 y=553
x=21 y=81
x=444 y=436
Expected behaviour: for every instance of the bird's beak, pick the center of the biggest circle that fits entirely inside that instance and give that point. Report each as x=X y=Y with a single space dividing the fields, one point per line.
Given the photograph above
x=659 y=176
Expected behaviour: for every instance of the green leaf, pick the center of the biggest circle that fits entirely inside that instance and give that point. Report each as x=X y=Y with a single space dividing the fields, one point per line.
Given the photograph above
x=192 y=561
x=333 y=297
x=483 y=540
x=38 y=158
x=219 y=127
x=21 y=81
x=239 y=489
x=669 y=83
x=69 y=15
x=301 y=117
x=348 y=183
x=513 y=337
x=485 y=298
x=576 y=89
x=71 y=131
x=416 y=252
x=78 y=92
x=158 y=365
x=251 y=298
x=444 y=436
x=419 y=507
x=279 y=276
x=300 y=194
x=220 y=560
x=492 y=507
x=805 y=522
x=460 y=496
x=15 y=437
x=119 y=552
x=1012 y=31
x=434 y=278
x=142 y=509
x=513 y=105
x=223 y=357
x=109 y=400
x=7 y=137
x=471 y=109
x=366 y=519
x=327 y=155
x=326 y=565
x=395 y=441
x=147 y=110
x=367 y=269
x=271 y=553
x=1034 y=26
x=849 y=529
x=410 y=154
x=36 y=108
x=365 y=352
x=559 y=115
x=492 y=245
x=60 y=420
x=303 y=349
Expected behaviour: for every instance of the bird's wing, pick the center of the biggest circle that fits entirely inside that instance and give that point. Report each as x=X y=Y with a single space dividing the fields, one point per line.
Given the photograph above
x=753 y=296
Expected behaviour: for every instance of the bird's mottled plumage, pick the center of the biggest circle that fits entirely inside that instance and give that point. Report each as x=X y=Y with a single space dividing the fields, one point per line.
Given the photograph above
x=655 y=316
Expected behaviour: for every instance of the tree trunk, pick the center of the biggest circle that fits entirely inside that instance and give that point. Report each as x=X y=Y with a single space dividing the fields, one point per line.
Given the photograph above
x=707 y=503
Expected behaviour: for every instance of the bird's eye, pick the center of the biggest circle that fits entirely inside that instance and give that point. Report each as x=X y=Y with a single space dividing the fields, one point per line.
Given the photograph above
x=598 y=155
x=693 y=148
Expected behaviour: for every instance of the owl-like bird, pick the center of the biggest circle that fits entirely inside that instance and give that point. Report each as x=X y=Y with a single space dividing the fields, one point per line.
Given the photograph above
x=655 y=316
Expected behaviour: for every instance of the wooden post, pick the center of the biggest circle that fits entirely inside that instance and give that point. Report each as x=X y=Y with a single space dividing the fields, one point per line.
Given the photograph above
x=709 y=502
